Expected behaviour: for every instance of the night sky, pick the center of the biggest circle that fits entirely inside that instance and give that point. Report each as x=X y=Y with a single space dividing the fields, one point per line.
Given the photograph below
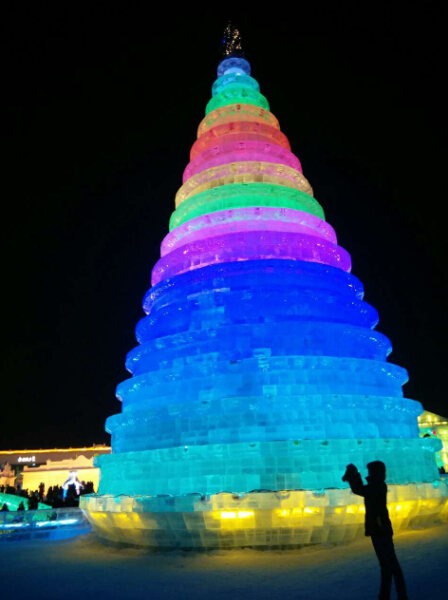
x=102 y=109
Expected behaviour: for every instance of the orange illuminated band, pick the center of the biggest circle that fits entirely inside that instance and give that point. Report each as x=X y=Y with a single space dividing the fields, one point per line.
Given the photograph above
x=243 y=172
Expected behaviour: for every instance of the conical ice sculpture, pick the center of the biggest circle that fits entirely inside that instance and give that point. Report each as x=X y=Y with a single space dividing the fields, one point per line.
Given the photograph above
x=258 y=376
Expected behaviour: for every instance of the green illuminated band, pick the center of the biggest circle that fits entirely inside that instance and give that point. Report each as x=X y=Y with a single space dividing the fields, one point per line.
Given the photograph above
x=241 y=195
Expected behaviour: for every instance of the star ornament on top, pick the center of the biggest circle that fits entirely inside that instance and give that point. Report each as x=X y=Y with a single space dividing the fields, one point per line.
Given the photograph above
x=232 y=41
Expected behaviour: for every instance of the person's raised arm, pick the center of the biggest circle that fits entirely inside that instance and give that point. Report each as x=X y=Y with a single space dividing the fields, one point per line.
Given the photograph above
x=354 y=480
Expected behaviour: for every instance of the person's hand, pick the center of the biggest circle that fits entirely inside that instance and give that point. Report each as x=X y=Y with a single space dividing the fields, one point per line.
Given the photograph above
x=350 y=471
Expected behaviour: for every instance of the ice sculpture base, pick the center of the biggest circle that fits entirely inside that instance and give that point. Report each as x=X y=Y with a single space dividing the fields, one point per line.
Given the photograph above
x=260 y=519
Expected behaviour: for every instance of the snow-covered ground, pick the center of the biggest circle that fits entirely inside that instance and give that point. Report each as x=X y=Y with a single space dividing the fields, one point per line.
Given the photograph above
x=83 y=568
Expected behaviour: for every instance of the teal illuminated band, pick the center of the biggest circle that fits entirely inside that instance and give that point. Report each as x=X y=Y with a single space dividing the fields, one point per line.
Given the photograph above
x=237 y=95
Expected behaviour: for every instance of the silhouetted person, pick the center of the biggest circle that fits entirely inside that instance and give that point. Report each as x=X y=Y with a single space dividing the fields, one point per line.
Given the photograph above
x=49 y=496
x=88 y=488
x=33 y=502
x=5 y=508
x=71 y=498
x=378 y=525
x=21 y=506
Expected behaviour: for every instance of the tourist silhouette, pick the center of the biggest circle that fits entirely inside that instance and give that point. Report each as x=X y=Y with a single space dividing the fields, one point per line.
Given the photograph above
x=378 y=525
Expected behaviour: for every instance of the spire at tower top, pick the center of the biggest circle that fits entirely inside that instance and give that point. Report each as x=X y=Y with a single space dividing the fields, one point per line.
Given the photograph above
x=231 y=42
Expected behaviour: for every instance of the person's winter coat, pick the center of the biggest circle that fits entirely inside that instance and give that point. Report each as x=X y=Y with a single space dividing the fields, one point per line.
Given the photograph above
x=377 y=520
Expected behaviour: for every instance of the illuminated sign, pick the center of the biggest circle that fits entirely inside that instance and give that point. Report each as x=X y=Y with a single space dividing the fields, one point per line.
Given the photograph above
x=27 y=459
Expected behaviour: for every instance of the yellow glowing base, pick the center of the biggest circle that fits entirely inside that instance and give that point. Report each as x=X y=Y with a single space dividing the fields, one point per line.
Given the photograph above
x=269 y=519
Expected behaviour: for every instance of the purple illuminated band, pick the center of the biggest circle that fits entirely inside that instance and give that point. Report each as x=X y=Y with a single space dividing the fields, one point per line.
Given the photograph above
x=247 y=219
x=253 y=245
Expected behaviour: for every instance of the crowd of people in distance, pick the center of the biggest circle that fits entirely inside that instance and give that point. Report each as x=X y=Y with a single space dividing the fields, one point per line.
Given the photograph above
x=55 y=496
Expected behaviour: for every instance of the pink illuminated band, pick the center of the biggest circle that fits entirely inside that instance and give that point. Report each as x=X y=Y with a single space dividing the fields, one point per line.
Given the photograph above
x=221 y=132
x=240 y=172
x=240 y=220
x=238 y=152
x=237 y=112
x=252 y=245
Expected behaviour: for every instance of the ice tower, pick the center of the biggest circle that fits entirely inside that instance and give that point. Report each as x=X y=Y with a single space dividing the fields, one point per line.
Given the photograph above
x=258 y=376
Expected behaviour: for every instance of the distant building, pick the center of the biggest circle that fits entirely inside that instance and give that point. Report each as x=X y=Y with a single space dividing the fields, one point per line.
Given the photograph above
x=30 y=468
x=432 y=425
x=7 y=475
x=56 y=472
